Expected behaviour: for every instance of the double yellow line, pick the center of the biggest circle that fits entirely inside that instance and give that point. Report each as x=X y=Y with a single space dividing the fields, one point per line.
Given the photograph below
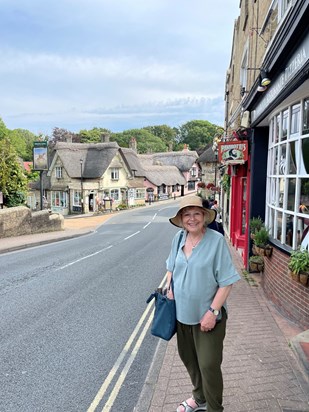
x=113 y=395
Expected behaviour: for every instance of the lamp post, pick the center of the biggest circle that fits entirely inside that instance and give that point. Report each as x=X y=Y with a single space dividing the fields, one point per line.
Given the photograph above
x=81 y=185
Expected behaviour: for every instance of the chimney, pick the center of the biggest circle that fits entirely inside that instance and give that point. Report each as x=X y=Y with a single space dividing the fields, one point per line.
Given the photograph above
x=105 y=137
x=133 y=144
x=68 y=138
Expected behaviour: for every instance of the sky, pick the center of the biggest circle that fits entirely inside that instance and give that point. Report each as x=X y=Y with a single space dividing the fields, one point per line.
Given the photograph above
x=114 y=64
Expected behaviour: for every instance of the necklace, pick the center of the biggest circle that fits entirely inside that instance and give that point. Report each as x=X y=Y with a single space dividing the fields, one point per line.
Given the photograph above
x=194 y=244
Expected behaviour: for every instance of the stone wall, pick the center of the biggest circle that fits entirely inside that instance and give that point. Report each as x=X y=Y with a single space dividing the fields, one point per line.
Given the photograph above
x=17 y=221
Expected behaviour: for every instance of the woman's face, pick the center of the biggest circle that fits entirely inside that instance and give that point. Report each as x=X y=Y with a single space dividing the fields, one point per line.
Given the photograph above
x=193 y=219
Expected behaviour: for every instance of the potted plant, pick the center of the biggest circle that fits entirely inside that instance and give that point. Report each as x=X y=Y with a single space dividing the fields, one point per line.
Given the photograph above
x=256 y=263
x=260 y=240
x=299 y=265
x=255 y=224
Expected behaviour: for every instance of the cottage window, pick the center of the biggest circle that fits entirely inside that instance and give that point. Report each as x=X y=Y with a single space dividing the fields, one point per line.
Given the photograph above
x=191 y=185
x=115 y=194
x=140 y=194
x=114 y=173
x=59 y=199
x=77 y=198
x=58 y=172
x=287 y=193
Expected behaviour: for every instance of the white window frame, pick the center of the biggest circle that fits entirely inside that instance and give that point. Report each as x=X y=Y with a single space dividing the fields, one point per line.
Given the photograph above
x=114 y=173
x=58 y=172
x=286 y=173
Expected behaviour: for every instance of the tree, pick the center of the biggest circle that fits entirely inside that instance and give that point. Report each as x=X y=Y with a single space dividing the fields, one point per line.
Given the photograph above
x=63 y=135
x=146 y=141
x=93 y=136
x=197 y=133
x=13 y=182
x=165 y=133
x=22 y=140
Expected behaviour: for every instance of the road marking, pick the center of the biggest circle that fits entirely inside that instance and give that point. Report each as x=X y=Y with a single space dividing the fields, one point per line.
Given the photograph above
x=116 y=366
x=149 y=223
x=133 y=234
x=118 y=362
x=85 y=257
x=123 y=374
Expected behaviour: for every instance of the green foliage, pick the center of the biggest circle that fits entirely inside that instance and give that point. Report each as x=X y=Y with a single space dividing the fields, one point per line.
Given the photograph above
x=13 y=182
x=299 y=261
x=256 y=259
x=165 y=133
x=146 y=141
x=197 y=133
x=93 y=136
x=261 y=237
x=226 y=183
x=255 y=224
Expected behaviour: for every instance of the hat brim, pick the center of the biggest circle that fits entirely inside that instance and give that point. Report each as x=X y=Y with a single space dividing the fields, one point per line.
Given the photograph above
x=209 y=216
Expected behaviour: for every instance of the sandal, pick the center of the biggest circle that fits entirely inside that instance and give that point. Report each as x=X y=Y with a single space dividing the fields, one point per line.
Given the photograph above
x=188 y=408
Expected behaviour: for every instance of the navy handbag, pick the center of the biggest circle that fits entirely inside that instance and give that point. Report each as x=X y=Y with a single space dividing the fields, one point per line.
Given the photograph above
x=164 y=320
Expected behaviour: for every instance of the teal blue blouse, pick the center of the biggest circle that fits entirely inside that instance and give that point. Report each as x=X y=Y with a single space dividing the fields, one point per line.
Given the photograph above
x=197 y=278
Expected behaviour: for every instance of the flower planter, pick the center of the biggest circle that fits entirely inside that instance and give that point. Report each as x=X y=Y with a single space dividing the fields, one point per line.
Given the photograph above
x=303 y=278
x=256 y=267
x=268 y=251
x=294 y=276
x=260 y=250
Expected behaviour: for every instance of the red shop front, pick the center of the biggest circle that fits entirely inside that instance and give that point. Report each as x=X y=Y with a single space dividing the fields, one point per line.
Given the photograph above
x=235 y=155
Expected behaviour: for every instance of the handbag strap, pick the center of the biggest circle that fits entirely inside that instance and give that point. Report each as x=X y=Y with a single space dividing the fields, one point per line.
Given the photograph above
x=178 y=247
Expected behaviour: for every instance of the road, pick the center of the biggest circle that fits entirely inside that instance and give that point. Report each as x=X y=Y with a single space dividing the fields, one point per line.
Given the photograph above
x=74 y=331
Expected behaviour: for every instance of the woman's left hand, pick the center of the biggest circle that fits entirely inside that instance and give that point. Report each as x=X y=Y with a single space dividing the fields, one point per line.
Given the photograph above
x=208 y=322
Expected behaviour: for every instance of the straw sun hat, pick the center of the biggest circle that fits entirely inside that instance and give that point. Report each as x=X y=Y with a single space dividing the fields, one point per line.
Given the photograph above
x=196 y=201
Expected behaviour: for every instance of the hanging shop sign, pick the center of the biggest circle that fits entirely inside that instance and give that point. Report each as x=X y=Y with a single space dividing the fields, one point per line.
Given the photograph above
x=40 y=161
x=233 y=152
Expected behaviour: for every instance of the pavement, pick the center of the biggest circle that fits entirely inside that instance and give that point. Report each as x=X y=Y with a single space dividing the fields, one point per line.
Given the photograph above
x=266 y=356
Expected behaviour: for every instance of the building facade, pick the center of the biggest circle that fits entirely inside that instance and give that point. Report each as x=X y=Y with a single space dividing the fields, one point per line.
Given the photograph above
x=267 y=96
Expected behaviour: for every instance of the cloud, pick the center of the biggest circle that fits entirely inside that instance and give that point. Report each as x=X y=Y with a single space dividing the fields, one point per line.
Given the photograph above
x=73 y=62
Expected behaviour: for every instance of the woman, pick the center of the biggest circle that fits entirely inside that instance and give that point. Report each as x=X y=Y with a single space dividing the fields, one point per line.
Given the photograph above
x=203 y=274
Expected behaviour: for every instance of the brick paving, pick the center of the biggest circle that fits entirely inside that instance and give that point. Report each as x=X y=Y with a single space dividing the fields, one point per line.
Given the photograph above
x=261 y=370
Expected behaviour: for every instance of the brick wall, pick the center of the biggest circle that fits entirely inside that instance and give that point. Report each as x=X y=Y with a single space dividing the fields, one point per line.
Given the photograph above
x=290 y=297
x=17 y=221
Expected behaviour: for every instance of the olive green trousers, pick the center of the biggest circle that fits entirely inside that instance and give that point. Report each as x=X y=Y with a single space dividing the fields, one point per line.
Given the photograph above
x=202 y=354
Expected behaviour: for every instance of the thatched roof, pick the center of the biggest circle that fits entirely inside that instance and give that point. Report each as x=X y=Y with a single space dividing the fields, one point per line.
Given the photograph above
x=133 y=160
x=167 y=175
x=96 y=157
x=208 y=156
x=183 y=160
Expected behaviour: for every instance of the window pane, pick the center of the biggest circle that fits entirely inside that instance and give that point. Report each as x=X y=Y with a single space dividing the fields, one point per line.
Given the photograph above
x=281 y=185
x=305 y=155
x=292 y=159
x=306 y=117
x=282 y=166
x=279 y=226
x=291 y=194
x=275 y=160
x=295 y=119
x=285 y=124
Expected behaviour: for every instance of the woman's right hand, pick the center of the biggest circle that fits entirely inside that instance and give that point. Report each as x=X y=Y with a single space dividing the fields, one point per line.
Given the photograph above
x=170 y=294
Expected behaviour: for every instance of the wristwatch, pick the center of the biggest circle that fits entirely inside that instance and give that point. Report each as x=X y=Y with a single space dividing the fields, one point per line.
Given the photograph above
x=214 y=311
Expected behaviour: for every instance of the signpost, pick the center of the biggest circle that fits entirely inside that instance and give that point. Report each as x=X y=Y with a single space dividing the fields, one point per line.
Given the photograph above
x=40 y=163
